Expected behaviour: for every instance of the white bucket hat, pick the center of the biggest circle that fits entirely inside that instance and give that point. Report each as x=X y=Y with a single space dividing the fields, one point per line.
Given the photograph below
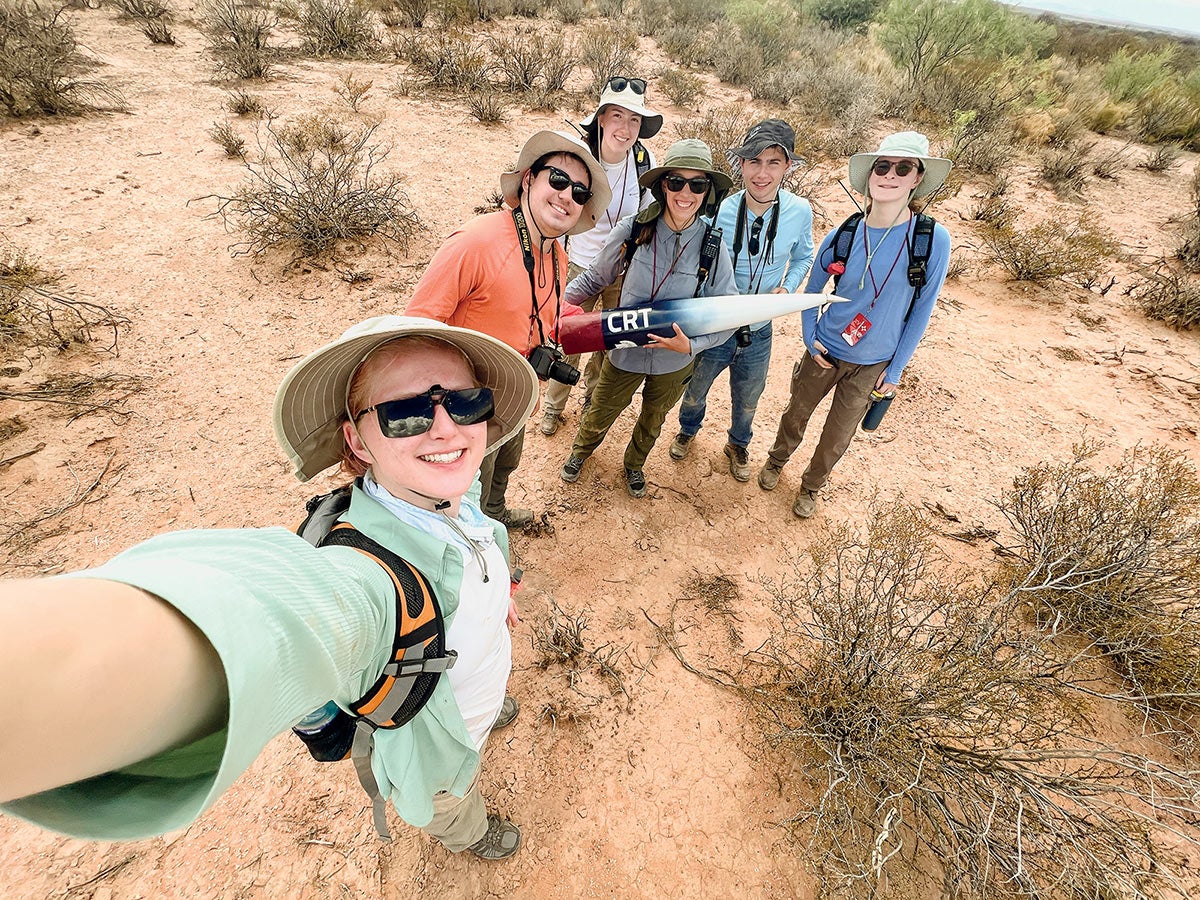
x=627 y=98
x=547 y=142
x=310 y=404
x=908 y=144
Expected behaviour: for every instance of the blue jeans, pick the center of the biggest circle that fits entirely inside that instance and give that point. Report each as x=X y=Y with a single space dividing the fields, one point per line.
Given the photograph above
x=747 y=378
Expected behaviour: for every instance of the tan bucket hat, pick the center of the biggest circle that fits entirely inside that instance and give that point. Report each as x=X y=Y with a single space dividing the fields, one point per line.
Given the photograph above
x=908 y=144
x=545 y=142
x=310 y=404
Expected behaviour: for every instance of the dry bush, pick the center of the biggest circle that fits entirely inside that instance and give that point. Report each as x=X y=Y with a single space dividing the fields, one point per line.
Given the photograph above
x=720 y=127
x=36 y=317
x=1161 y=158
x=487 y=107
x=229 y=140
x=338 y=28
x=593 y=673
x=959 y=266
x=1107 y=165
x=1115 y=554
x=241 y=103
x=1052 y=251
x=449 y=60
x=152 y=16
x=681 y=87
x=239 y=38
x=608 y=50
x=316 y=183
x=41 y=67
x=993 y=211
x=691 y=44
x=1065 y=168
x=529 y=60
x=570 y=12
x=353 y=89
x=1169 y=296
x=950 y=753
x=983 y=144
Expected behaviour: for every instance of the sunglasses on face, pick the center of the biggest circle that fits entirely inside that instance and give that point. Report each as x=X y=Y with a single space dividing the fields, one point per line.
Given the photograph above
x=675 y=183
x=560 y=181
x=755 y=230
x=411 y=416
x=619 y=82
x=883 y=166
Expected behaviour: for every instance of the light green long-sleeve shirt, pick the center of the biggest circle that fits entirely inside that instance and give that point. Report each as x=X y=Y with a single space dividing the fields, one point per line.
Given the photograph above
x=293 y=626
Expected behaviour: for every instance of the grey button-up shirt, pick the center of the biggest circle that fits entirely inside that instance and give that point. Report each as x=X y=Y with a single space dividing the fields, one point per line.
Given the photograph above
x=663 y=269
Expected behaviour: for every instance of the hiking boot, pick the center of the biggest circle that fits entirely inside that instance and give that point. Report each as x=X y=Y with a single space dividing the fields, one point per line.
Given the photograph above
x=768 y=476
x=550 y=423
x=501 y=840
x=514 y=518
x=739 y=462
x=681 y=445
x=806 y=504
x=508 y=711
x=635 y=481
x=571 y=469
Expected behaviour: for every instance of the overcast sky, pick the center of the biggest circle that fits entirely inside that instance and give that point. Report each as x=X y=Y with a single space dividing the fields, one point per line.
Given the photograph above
x=1181 y=15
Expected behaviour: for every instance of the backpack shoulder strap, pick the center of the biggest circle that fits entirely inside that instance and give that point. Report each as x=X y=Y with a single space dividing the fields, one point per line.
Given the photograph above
x=323 y=512
x=843 y=243
x=641 y=161
x=919 y=248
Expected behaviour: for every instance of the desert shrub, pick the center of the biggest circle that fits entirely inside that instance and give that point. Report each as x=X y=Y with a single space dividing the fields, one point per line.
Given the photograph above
x=993 y=211
x=241 y=103
x=530 y=59
x=1129 y=75
x=958 y=267
x=1066 y=168
x=317 y=182
x=843 y=13
x=152 y=16
x=1169 y=296
x=1051 y=251
x=35 y=316
x=851 y=130
x=1160 y=159
x=736 y=61
x=681 y=87
x=982 y=144
x=1107 y=165
x=229 y=140
x=767 y=25
x=338 y=28
x=923 y=36
x=655 y=15
x=569 y=12
x=1114 y=553
x=41 y=67
x=720 y=127
x=353 y=89
x=950 y=754
x=691 y=44
x=449 y=60
x=608 y=50
x=487 y=107
x=239 y=38
x=1169 y=112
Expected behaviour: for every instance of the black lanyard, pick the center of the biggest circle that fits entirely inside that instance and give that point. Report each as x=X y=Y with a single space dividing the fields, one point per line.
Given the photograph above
x=767 y=250
x=526 y=241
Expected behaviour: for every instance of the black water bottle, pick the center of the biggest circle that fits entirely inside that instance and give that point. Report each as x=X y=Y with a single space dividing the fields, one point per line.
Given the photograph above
x=879 y=405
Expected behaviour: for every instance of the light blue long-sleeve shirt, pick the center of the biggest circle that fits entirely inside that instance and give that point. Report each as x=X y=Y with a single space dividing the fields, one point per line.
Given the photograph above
x=891 y=336
x=786 y=262
x=663 y=269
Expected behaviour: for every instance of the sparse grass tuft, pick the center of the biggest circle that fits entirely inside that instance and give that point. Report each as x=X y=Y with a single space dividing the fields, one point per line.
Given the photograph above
x=230 y=141
x=152 y=16
x=487 y=108
x=353 y=89
x=1170 y=297
x=241 y=103
x=239 y=38
x=316 y=183
x=1161 y=158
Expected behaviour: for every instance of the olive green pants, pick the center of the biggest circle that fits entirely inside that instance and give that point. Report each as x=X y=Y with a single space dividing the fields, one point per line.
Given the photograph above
x=557 y=393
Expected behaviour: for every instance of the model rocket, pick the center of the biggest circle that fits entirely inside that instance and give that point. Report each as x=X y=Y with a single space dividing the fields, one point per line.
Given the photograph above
x=632 y=326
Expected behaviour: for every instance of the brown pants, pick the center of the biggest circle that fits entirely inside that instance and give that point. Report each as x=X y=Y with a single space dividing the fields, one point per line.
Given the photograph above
x=557 y=393
x=458 y=822
x=495 y=470
x=851 y=385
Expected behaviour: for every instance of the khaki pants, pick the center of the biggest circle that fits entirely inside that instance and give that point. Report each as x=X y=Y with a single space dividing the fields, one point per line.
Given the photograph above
x=495 y=470
x=851 y=385
x=614 y=392
x=458 y=822
x=557 y=393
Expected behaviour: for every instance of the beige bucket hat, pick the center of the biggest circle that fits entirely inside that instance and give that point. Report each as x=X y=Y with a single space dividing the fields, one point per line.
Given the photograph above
x=909 y=144
x=627 y=98
x=545 y=142
x=310 y=404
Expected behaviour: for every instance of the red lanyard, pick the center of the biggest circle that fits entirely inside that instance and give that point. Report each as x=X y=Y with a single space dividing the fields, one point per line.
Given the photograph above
x=621 y=205
x=903 y=246
x=654 y=272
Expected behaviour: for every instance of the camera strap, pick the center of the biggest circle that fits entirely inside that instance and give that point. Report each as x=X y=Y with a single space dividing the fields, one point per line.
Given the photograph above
x=526 y=241
x=767 y=251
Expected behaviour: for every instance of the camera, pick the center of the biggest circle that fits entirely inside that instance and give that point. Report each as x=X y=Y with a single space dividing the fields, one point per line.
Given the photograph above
x=548 y=363
x=744 y=337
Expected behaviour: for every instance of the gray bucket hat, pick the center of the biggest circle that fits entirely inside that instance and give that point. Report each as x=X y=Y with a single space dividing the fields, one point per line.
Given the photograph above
x=545 y=142
x=907 y=144
x=310 y=404
x=629 y=99
x=767 y=133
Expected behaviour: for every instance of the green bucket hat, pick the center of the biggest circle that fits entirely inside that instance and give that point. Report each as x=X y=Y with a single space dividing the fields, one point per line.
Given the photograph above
x=689 y=153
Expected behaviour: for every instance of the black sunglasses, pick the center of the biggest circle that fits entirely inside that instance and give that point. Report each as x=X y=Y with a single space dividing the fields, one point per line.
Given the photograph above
x=903 y=167
x=411 y=416
x=619 y=82
x=675 y=183
x=560 y=180
x=755 y=230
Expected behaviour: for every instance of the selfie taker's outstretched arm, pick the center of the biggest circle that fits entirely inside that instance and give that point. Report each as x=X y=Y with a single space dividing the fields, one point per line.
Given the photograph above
x=94 y=674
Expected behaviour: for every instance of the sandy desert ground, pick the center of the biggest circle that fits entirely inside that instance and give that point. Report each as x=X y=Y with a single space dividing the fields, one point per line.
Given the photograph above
x=661 y=788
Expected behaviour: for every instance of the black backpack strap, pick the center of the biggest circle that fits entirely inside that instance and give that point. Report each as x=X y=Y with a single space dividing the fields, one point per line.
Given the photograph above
x=843 y=243
x=323 y=513
x=919 y=248
x=709 y=254
x=641 y=162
